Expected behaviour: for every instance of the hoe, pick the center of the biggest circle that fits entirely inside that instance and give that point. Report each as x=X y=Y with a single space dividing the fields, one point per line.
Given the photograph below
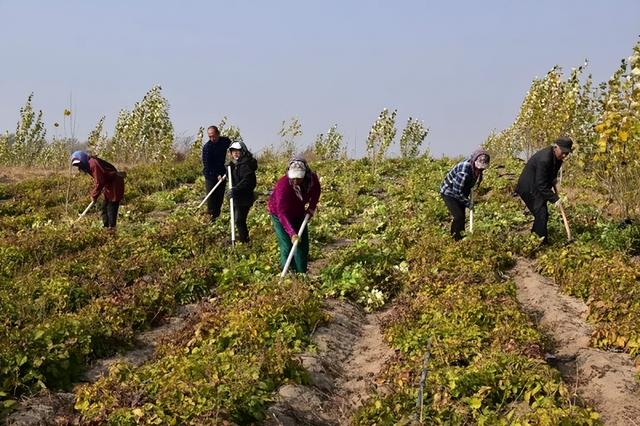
x=294 y=246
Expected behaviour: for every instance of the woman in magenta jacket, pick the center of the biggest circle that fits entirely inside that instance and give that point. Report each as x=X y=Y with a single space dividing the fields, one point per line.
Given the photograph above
x=295 y=195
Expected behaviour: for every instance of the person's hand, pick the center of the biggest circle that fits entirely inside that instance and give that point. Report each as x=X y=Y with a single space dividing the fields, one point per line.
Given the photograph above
x=558 y=203
x=294 y=238
x=231 y=193
x=311 y=212
x=94 y=200
x=220 y=177
x=470 y=205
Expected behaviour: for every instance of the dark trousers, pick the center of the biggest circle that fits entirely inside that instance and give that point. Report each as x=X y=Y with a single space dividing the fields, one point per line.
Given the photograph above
x=110 y=213
x=538 y=208
x=456 y=208
x=214 y=203
x=240 y=213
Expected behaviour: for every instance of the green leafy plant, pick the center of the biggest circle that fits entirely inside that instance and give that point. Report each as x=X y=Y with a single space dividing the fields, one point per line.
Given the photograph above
x=330 y=146
x=381 y=135
x=412 y=137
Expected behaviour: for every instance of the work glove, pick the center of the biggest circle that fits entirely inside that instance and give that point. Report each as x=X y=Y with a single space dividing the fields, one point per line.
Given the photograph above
x=557 y=203
x=232 y=193
x=294 y=238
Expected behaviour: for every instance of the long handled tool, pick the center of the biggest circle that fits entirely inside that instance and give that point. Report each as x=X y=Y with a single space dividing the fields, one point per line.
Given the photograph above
x=81 y=215
x=564 y=215
x=294 y=246
x=471 y=214
x=210 y=192
x=233 y=219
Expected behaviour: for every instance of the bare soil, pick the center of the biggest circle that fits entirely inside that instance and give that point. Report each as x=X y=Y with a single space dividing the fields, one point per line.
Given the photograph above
x=606 y=380
x=351 y=353
x=16 y=174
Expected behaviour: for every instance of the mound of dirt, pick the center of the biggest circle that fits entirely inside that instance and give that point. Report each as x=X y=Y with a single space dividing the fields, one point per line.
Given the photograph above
x=606 y=380
x=351 y=352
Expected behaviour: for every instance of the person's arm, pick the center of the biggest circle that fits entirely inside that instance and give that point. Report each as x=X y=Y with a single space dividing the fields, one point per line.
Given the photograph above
x=542 y=182
x=99 y=179
x=280 y=198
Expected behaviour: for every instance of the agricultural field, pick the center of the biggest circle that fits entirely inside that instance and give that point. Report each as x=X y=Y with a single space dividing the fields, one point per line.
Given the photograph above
x=72 y=294
x=165 y=322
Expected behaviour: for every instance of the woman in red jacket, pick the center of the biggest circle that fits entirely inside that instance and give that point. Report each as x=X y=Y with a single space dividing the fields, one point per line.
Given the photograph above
x=107 y=181
x=295 y=195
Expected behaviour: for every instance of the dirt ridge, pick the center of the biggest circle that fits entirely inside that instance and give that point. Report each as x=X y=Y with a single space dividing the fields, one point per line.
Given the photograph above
x=351 y=352
x=606 y=380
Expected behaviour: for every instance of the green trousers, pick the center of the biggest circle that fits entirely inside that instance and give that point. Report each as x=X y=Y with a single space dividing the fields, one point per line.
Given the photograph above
x=301 y=256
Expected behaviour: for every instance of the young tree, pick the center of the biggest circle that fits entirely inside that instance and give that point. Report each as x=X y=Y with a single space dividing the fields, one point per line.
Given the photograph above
x=5 y=149
x=195 y=151
x=97 y=141
x=381 y=135
x=229 y=130
x=412 y=137
x=618 y=158
x=288 y=134
x=55 y=155
x=29 y=137
x=329 y=146
x=145 y=133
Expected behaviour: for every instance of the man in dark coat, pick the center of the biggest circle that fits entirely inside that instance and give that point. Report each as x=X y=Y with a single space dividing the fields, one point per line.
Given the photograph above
x=214 y=153
x=107 y=181
x=243 y=173
x=537 y=181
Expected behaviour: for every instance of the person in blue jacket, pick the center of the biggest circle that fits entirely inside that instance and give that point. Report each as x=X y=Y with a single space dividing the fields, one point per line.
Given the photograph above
x=214 y=154
x=457 y=185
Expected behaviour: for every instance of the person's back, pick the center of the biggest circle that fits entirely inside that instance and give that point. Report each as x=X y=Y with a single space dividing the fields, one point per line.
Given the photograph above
x=537 y=180
x=538 y=174
x=107 y=181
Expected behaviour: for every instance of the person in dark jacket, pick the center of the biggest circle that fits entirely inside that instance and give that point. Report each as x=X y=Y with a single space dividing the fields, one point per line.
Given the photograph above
x=107 y=181
x=214 y=154
x=536 y=183
x=456 y=188
x=243 y=172
x=295 y=195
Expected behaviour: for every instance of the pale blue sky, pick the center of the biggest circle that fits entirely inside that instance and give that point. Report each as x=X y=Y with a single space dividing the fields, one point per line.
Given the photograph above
x=461 y=66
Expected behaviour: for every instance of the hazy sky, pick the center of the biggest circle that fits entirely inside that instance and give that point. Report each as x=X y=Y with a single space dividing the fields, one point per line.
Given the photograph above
x=462 y=67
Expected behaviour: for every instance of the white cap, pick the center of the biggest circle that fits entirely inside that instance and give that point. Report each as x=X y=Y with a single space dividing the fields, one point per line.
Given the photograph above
x=236 y=145
x=297 y=170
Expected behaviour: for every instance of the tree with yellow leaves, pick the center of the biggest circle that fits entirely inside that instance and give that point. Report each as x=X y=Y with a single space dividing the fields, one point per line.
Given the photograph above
x=618 y=130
